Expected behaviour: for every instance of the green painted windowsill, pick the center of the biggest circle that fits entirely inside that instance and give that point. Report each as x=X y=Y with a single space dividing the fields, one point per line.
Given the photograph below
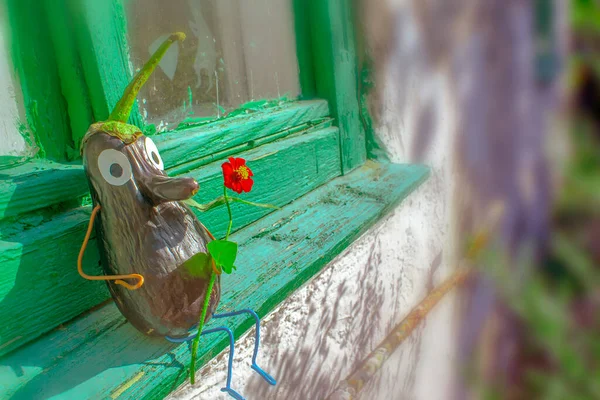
x=100 y=355
x=41 y=217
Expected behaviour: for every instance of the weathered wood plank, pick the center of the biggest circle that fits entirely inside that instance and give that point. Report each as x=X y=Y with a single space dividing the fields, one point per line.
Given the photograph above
x=39 y=184
x=304 y=128
x=100 y=355
x=281 y=175
x=39 y=284
x=336 y=75
x=180 y=147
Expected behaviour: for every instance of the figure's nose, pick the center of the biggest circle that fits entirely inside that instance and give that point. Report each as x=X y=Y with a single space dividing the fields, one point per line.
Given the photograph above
x=161 y=188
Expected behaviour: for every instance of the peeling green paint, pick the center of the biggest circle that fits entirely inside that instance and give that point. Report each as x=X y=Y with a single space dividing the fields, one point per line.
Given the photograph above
x=334 y=60
x=33 y=119
x=375 y=148
x=150 y=130
x=191 y=100
x=11 y=161
x=45 y=107
x=244 y=109
x=26 y=134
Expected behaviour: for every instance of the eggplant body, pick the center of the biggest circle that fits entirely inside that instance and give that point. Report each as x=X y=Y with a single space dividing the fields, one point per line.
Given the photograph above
x=143 y=228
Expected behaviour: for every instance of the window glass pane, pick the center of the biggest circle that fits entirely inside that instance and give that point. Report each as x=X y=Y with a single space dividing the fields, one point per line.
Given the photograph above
x=235 y=51
x=12 y=129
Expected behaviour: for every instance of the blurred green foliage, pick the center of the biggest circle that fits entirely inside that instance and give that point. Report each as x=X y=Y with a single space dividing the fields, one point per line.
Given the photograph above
x=556 y=301
x=557 y=308
x=585 y=16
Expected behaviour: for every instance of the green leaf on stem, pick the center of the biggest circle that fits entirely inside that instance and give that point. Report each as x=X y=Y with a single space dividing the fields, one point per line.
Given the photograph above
x=224 y=253
x=199 y=265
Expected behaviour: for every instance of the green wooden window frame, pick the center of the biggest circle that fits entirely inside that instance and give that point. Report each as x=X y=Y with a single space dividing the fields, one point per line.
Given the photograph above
x=309 y=157
x=83 y=48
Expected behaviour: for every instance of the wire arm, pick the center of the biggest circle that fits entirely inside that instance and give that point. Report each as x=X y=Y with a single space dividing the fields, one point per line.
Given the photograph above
x=117 y=278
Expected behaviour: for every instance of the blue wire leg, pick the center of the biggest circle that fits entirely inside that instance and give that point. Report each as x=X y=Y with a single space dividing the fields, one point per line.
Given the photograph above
x=227 y=387
x=255 y=367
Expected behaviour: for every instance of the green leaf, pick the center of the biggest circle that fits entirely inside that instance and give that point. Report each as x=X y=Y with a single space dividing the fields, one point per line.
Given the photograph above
x=199 y=265
x=224 y=253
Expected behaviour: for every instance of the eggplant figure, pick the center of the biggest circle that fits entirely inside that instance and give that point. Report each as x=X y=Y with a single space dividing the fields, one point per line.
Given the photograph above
x=145 y=233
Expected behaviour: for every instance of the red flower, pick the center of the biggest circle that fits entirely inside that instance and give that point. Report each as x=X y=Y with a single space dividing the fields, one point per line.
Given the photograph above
x=237 y=175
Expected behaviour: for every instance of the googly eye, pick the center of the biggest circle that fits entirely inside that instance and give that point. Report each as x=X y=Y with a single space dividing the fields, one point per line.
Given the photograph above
x=114 y=167
x=153 y=154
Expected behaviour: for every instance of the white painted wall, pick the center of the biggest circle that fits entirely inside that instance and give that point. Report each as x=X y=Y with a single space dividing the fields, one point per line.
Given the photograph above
x=11 y=141
x=456 y=90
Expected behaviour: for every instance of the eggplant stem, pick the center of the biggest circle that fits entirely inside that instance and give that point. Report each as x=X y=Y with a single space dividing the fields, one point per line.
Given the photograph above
x=123 y=108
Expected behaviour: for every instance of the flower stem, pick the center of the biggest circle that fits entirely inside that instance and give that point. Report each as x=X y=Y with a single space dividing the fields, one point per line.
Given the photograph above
x=219 y=201
x=229 y=211
x=213 y=277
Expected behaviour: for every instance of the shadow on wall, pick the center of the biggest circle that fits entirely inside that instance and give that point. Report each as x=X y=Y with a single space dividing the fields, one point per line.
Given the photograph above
x=311 y=356
x=308 y=367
